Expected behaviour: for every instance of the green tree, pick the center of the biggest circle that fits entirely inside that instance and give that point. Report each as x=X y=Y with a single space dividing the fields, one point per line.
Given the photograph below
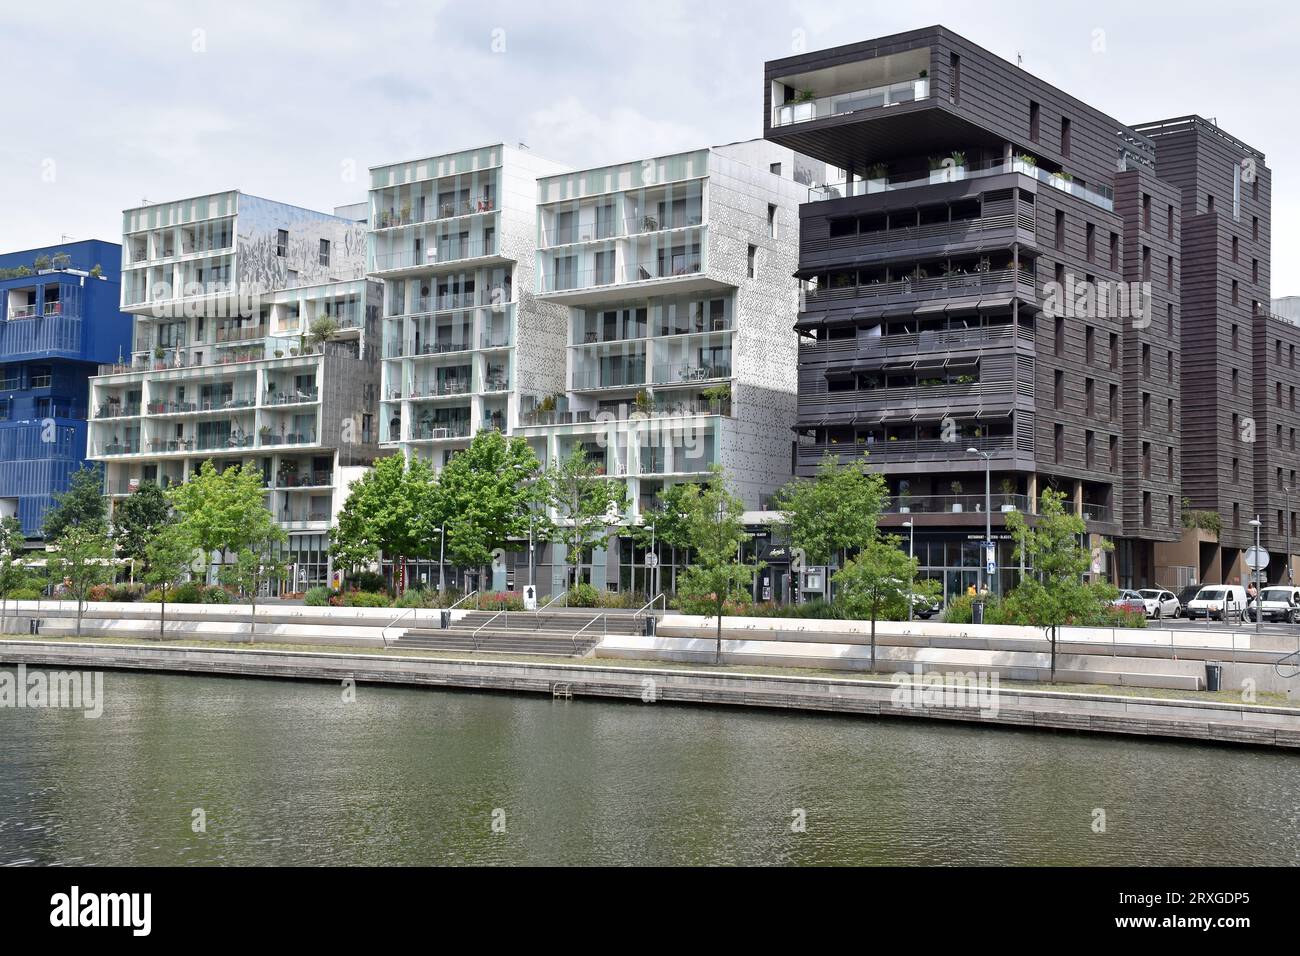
x=223 y=511
x=255 y=564
x=82 y=559
x=13 y=572
x=484 y=495
x=168 y=558
x=82 y=505
x=1057 y=594
x=667 y=516
x=714 y=531
x=584 y=503
x=878 y=583
x=389 y=513
x=138 y=518
x=833 y=513
x=323 y=328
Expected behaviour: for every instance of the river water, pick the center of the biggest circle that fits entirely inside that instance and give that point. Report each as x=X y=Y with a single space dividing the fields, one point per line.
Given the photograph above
x=277 y=772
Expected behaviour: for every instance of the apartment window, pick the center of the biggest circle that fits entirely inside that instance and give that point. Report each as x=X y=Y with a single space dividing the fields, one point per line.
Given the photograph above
x=1089 y=441
x=1169 y=464
x=1059 y=390
x=1114 y=350
x=1169 y=506
x=1146 y=360
x=1279 y=479
x=1209 y=202
x=1060 y=229
x=1033 y=121
x=282 y=242
x=1146 y=263
x=1169 y=414
x=1060 y=335
x=1293 y=439
x=1169 y=225
x=1114 y=251
x=1234 y=381
x=954 y=74
x=774 y=169
x=1236 y=515
x=1277 y=394
x=1146 y=211
x=1114 y=403
x=1254 y=228
x=1235 y=245
x=1059 y=443
x=1291 y=355
x=1089 y=396
x=1234 y=292
x=1114 y=452
x=1146 y=459
x=1169 y=367
x=752 y=259
x=1169 y=274
x=1146 y=408
x=1091 y=231
x=771 y=221
x=325 y=252
x=1254 y=270
x=1169 y=319
x=1235 y=337
x=1065 y=137
x=1146 y=509
x=1236 y=462
x=1089 y=344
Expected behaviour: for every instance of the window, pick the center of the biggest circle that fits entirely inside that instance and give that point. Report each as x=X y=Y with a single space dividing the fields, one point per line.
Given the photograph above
x=1089 y=344
x=1209 y=202
x=1254 y=270
x=1235 y=339
x=282 y=242
x=1146 y=211
x=1169 y=224
x=1033 y=121
x=1114 y=251
x=774 y=169
x=1114 y=350
x=1146 y=408
x=1234 y=292
x=325 y=252
x=1114 y=403
x=1089 y=440
x=1146 y=459
x=1059 y=389
x=1169 y=367
x=771 y=221
x=1114 y=452
x=1169 y=274
x=1254 y=228
x=1089 y=396
x=1146 y=263
x=1092 y=242
x=1146 y=360
x=1234 y=248
x=1060 y=335
x=954 y=77
x=753 y=256
x=1065 y=137
x=1169 y=319
x=1169 y=414
x=1146 y=509
x=1059 y=443
x=1234 y=381
x=1060 y=229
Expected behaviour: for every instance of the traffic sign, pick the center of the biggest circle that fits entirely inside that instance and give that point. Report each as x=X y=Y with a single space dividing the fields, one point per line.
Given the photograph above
x=1256 y=559
x=652 y=560
x=991 y=567
x=530 y=598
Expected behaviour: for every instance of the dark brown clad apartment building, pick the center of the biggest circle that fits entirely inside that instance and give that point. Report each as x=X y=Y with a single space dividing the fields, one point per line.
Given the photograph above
x=1005 y=281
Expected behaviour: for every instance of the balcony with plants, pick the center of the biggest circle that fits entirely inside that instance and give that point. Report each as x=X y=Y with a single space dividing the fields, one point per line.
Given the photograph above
x=434 y=246
x=449 y=197
x=947 y=277
x=441 y=382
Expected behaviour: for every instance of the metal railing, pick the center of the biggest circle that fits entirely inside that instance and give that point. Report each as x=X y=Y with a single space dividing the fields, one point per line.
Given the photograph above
x=661 y=596
x=578 y=633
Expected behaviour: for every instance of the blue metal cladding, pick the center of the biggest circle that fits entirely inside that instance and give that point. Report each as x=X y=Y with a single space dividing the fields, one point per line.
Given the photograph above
x=57 y=324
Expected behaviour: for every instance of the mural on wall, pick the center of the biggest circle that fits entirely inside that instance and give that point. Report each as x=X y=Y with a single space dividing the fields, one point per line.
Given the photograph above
x=260 y=263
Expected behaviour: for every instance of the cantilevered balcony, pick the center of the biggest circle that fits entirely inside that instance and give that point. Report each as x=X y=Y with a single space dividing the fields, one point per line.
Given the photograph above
x=877 y=84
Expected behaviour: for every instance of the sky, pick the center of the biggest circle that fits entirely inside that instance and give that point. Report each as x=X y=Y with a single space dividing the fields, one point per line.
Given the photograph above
x=109 y=105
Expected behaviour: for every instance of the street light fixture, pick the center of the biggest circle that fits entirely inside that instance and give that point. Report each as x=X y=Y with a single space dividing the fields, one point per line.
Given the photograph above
x=911 y=556
x=988 y=518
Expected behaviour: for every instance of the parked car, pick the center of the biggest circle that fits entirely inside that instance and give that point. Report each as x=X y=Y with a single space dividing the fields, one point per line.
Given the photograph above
x=1210 y=601
x=1278 y=603
x=1161 y=603
x=1130 y=601
x=1185 y=595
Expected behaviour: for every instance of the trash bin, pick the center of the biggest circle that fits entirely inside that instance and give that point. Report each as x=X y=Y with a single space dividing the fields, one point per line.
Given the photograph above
x=977 y=612
x=650 y=623
x=34 y=625
x=1213 y=675
x=444 y=619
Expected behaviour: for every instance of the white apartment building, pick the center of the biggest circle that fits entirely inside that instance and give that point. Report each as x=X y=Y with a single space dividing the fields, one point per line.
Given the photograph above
x=463 y=333
x=224 y=290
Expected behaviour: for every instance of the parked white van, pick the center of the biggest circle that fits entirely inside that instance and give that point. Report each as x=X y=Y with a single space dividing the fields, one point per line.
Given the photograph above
x=1209 y=602
x=1281 y=602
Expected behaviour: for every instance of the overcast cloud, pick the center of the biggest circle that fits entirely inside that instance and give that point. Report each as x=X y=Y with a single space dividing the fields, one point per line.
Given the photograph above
x=109 y=104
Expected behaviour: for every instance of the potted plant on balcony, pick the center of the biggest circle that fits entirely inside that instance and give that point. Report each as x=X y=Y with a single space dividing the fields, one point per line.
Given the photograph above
x=803 y=106
x=1024 y=163
x=921 y=86
x=956 y=491
x=1008 y=488
x=406 y=212
x=877 y=178
x=642 y=403
x=958 y=169
x=718 y=397
x=1062 y=180
x=264 y=434
x=904 y=499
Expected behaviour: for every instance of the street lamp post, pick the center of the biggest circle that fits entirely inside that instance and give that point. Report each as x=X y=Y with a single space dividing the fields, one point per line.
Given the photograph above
x=911 y=556
x=988 y=518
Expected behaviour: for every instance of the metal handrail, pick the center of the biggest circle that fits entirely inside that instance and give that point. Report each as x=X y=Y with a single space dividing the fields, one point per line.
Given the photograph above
x=474 y=636
x=465 y=598
x=574 y=635
x=1291 y=661
x=384 y=633
x=661 y=596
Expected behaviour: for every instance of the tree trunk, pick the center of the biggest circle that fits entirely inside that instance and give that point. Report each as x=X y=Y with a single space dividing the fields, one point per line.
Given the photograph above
x=873 y=640
x=717 y=654
x=162 y=617
x=252 y=618
x=79 y=605
x=1053 y=640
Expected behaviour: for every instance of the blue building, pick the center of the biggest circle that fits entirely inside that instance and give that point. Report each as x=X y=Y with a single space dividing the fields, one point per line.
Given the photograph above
x=60 y=315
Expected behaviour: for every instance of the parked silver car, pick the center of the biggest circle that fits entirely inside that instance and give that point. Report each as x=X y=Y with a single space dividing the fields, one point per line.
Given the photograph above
x=1161 y=603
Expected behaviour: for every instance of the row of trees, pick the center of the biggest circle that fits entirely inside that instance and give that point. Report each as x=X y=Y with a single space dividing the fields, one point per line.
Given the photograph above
x=217 y=520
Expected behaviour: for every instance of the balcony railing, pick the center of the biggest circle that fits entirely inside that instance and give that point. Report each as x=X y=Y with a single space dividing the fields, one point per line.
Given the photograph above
x=956 y=283
x=913 y=342
x=293 y=396
x=935 y=504
x=439 y=389
x=129 y=447
x=436 y=254
x=310 y=479
x=117 y=409
x=680 y=266
x=304 y=515
x=433 y=211
x=270 y=438
x=1099 y=195
x=434 y=431
x=837 y=104
x=626 y=412
x=608 y=378
x=681 y=373
x=203 y=405
x=912 y=448
x=639 y=225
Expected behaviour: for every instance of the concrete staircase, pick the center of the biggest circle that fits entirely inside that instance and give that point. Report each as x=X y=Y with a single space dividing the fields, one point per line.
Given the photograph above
x=569 y=632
